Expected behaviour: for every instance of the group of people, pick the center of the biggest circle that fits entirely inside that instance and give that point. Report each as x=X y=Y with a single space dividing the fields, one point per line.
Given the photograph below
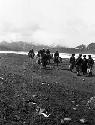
x=31 y=53
x=83 y=65
x=44 y=57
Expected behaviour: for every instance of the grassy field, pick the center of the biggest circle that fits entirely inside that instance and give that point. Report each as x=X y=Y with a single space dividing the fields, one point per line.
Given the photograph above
x=31 y=95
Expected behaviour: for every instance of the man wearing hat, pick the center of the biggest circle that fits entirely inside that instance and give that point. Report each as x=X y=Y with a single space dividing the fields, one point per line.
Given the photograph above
x=84 y=65
x=90 y=63
x=72 y=62
x=79 y=64
x=56 y=57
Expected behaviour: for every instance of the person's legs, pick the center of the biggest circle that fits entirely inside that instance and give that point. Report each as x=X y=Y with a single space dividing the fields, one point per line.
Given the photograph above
x=71 y=67
x=78 y=70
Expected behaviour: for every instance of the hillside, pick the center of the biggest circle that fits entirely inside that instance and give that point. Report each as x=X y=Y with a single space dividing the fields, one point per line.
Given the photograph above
x=23 y=46
x=20 y=46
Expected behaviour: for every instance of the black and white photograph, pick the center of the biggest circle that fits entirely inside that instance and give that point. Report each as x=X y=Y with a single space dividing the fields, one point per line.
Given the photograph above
x=47 y=62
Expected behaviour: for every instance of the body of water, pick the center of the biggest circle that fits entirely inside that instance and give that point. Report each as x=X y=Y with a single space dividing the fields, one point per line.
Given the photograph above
x=66 y=55
x=15 y=52
x=62 y=55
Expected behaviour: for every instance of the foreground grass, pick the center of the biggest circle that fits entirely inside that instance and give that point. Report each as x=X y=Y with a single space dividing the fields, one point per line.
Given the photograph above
x=31 y=95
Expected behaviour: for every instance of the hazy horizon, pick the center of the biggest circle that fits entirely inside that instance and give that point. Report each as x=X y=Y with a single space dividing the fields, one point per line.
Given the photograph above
x=67 y=23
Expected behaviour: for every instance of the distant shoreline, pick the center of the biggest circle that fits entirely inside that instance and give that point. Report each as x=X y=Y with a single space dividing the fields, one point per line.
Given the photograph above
x=62 y=55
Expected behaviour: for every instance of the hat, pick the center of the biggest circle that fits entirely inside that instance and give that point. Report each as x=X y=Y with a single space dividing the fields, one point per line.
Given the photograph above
x=73 y=54
x=89 y=55
x=84 y=55
x=80 y=54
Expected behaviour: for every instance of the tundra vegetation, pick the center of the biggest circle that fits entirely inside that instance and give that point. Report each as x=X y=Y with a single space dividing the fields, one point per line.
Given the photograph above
x=31 y=95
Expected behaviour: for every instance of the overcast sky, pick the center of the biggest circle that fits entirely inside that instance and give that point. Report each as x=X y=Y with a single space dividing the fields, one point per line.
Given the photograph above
x=64 y=22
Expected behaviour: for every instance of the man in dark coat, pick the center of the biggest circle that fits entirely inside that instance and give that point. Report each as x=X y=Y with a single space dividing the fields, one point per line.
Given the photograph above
x=39 y=57
x=48 y=56
x=56 y=57
x=84 y=65
x=90 y=64
x=72 y=62
x=44 y=60
x=79 y=64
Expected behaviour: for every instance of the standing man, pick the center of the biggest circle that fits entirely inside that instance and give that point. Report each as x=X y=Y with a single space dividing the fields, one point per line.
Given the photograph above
x=48 y=56
x=44 y=60
x=84 y=65
x=39 y=57
x=56 y=57
x=72 y=62
x=79 y=64
x=90 y=64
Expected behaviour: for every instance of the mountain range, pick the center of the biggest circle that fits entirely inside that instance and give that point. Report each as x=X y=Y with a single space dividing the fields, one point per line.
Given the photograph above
x=23 y=46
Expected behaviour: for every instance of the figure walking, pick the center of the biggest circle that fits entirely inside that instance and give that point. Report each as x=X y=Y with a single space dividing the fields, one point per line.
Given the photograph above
x=90 y=64
x=84 y=65
x=56 y=57
x=72 y=62
x=79 y=64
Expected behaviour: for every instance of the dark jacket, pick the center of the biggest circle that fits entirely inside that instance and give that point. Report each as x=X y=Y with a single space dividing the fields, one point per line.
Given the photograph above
x=72 y=60
x=79 y=61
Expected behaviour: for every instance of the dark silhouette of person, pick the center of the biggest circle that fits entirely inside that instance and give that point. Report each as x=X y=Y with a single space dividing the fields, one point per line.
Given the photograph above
x=48 y=56
x=84 y=65
x=39 y=57
x=72 y=62
x=79 y=64
x=90 y=63
x=43 y=51
x=44 y=59
x=31 y=53
x=56 y=57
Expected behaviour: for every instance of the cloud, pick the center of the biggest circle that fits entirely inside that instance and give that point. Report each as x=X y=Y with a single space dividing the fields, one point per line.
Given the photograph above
x=9 y=31
x=64 y=22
